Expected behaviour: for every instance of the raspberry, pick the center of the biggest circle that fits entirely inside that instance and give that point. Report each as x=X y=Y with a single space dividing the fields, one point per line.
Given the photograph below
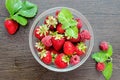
x=79 y=24
x=47 y=41
x=100 y=66
x=104 y=46
x=75 y=59
x=85 y=35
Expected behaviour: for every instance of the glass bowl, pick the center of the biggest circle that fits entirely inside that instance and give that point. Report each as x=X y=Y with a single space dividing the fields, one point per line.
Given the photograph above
x=39 y=21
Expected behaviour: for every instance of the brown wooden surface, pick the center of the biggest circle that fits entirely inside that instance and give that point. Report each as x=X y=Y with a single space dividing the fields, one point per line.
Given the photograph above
x=17 y=62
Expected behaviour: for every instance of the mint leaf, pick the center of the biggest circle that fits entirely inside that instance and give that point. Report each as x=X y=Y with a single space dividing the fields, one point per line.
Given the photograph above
x=100 y=56
x=20 y=19
x=108 y=70
x=66 y=18
x=13 y=6
x=72 y=32
x=109 y=51
x=28 y=9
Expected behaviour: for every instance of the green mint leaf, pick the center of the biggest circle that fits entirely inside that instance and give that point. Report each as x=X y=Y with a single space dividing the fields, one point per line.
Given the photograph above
x=21 y=20
x=108 y=70
x=109 y=51
x=100 y=56
x=28 y=9
x=72 y=32
x=13 y=6
x=66 y=18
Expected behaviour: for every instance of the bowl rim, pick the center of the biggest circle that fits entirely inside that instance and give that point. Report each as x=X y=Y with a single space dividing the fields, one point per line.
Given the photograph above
x=56 y=69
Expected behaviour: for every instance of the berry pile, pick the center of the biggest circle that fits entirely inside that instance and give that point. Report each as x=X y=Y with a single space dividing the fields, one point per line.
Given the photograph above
x=60 y=43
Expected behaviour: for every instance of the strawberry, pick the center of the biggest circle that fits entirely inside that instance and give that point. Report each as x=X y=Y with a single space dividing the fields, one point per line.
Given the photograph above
x=45 y=56
x=39 y=46
x=41 y=31
x=75 y=59
x=75 y=40
x=51 y=22
x=100 y=66
x=11 y=26
x=54 y=53
x=103 y=46
x=47 y=41
x=68 y=48
x=61 y=61
x=57 y=41
x=60 y=29
x=79 y=23
x=80 y=48
x=85 y=35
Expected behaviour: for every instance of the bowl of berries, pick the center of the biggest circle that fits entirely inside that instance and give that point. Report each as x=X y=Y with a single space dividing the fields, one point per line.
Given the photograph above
x=61 y=39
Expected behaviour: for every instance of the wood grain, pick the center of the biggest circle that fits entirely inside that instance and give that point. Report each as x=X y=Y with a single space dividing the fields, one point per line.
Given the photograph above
x=17 y=62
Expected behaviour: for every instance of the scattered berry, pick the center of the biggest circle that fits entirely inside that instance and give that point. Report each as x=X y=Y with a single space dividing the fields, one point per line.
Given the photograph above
x=11 y=26
x=61 y=61
x=68 y=48
x=75 y=59
x=100 y=66
x=104 y=46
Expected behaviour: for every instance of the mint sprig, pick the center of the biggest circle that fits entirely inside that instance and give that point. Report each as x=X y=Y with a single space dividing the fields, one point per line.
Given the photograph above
x=65 y=17
x=105 y=56
x=20 y=10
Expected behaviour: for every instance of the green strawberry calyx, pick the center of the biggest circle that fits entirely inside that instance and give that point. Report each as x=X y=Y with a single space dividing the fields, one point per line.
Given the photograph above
x=65 y=59
x=57 y=36
x=42 y=30
x=51 y=21
x=81 y=46
x=39 y=45
x=42 y=53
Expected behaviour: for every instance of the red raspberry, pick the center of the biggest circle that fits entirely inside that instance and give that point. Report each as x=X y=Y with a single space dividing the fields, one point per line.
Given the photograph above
x=100 y=66
x=47 y=41
x=104 y=46
x=75 y=59
x=79 y=23
x=85 y=35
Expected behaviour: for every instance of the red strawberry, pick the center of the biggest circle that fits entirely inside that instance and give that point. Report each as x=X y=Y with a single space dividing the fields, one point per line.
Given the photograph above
x=75 y=40
x=75 y=59
x=51 y=22
x=45 y=56
x=61 y=61
x=80 y=48
x=100 y=66
x=60 y=29
x=39 y=46
x=68 y=48
x=11 y=26
x=58 y=41
x=41 y=31
x=54 y=53
x=104 y=46
x=79 y=23
x=85 y=35
x=47 y=41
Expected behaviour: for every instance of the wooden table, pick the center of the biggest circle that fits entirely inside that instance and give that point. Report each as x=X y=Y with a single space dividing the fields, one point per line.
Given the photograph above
x=17 y=62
